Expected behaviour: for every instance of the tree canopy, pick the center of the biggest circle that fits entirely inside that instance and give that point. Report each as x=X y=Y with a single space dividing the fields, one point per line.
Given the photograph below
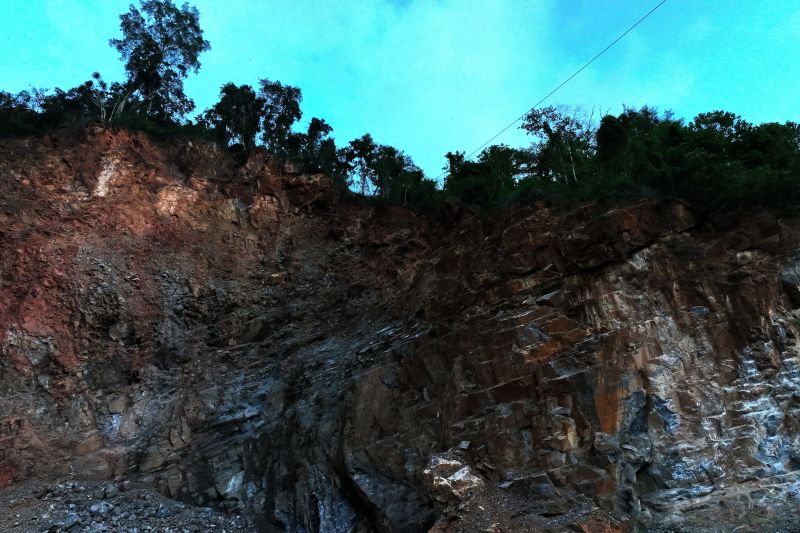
x=160 y=45
x=715 y=160
x=281 y=111
x=236 y=118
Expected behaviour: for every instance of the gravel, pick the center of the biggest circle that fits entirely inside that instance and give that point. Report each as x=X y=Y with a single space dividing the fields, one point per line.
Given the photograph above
x=109 y=507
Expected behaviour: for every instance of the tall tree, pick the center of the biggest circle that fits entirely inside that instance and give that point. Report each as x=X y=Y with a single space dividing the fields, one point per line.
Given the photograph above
x=236 y=118
x=388 y=173
x=316 y=149
x=489 y=181
x=564 y=141
x=161 y=43
x=360 y=155
x=281 y=111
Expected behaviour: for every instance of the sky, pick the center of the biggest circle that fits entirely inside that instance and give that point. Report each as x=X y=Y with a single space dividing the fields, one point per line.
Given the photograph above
x=432 y=76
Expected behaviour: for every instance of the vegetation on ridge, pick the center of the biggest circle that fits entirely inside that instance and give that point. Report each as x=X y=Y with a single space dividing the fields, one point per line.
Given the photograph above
x=713 y=161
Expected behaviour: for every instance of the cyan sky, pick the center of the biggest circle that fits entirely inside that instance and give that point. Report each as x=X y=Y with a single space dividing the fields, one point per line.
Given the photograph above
x=430 y=76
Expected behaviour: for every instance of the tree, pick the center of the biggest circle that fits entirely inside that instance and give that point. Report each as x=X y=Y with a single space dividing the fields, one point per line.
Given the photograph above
x=281 y=111
x=316 y=137
x=488 y=182
x=388 y=173
x=237 y=117
x=564 y=142
x=360 y=155
x=316 y=150
x=724 y=123
x=160 y=45
x=388 y=165
x=632 y=147
x=769 y=154
x=77 y=106
x=17 y=113
x=398 y=180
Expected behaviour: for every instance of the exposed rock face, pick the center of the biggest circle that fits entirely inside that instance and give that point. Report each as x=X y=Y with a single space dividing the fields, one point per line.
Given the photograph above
x=250 y=341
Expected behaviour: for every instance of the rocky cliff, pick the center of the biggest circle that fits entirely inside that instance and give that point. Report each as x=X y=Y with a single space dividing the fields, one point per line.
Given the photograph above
x=255 y=342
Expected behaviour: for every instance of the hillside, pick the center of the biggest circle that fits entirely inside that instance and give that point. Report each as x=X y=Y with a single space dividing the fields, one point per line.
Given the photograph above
x=258 y=342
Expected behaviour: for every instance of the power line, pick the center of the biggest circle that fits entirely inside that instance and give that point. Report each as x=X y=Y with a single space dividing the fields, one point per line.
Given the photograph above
x=551 y=93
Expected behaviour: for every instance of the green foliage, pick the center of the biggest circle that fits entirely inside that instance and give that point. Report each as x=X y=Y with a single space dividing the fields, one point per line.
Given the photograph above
x=17 y=116
x=77 y=106
x=489 y=182
x=565 y=143
x=241 y=114
x=37 y=110
x=716 y=160
x=236 y=118
x=281 y=111
x=165 y=131
x=385 y=172
x=160 y=45
x=359 y=155
x=316 y=151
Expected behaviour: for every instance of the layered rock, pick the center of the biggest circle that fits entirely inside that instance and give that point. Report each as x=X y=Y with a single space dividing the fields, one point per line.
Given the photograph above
x=253 y=341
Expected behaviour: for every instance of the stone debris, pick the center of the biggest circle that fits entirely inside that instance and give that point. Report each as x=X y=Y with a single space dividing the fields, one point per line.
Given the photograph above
x=450 y=480
x=93 y=507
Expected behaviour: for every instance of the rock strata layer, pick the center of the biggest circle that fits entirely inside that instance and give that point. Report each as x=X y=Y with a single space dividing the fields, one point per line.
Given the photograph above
x=255 y=342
